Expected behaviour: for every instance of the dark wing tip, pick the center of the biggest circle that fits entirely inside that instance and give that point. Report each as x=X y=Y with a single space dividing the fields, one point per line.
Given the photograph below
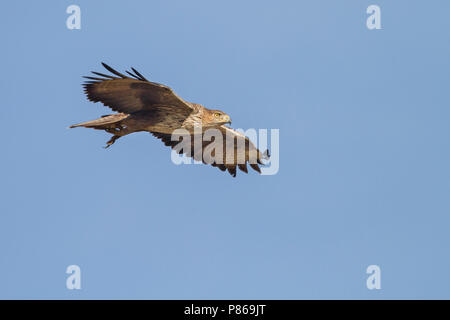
x=93 y=78
x=140 y=76
x=133 y=75
x=113 y=71
x=255 y=167
x=232 y=171
x=103 y=75
x=243 y=167
x=136 y=75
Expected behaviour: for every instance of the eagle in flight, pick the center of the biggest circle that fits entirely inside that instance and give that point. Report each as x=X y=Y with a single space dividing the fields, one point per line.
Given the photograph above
x=142 y=105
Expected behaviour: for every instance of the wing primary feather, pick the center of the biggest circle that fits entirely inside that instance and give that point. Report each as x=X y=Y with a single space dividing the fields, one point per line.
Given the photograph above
x=140 y=75
x=113 y=71
x=133 y=75
x=103 y=75
x=93 y=78
x=232 y=170
x=255 y=167
x=243 y=167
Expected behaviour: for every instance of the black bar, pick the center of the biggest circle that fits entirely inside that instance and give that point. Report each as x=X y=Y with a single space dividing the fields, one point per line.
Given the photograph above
x=226 y=309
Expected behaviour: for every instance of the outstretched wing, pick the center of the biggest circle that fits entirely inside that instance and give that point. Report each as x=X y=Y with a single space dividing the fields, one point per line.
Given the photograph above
x=237 y=150
x=128 y=95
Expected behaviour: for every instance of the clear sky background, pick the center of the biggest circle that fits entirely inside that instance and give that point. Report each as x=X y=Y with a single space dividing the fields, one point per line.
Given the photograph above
x=364 y=152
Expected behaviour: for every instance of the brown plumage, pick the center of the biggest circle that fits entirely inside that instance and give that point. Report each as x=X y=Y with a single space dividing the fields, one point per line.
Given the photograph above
x=148 y=106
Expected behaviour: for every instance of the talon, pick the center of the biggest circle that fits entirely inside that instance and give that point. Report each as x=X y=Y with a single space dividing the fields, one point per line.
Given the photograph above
x=111 y=141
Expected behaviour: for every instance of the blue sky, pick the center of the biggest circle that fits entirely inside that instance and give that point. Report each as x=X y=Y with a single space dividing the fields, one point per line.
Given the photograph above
x=364 y=152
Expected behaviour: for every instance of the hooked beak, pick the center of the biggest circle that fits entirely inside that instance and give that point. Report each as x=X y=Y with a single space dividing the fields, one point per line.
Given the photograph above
x=227 y=119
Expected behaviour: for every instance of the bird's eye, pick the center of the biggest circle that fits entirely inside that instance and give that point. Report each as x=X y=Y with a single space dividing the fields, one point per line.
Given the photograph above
x=217 y=115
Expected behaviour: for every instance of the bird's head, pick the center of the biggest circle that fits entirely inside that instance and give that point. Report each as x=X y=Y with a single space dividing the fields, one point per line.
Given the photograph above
x=217 y=117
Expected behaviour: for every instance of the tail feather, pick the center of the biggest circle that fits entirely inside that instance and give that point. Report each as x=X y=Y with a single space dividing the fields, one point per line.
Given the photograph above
x=102 y=123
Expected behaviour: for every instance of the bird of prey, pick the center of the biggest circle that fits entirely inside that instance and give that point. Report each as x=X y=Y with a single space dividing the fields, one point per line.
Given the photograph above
x=142 y=105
